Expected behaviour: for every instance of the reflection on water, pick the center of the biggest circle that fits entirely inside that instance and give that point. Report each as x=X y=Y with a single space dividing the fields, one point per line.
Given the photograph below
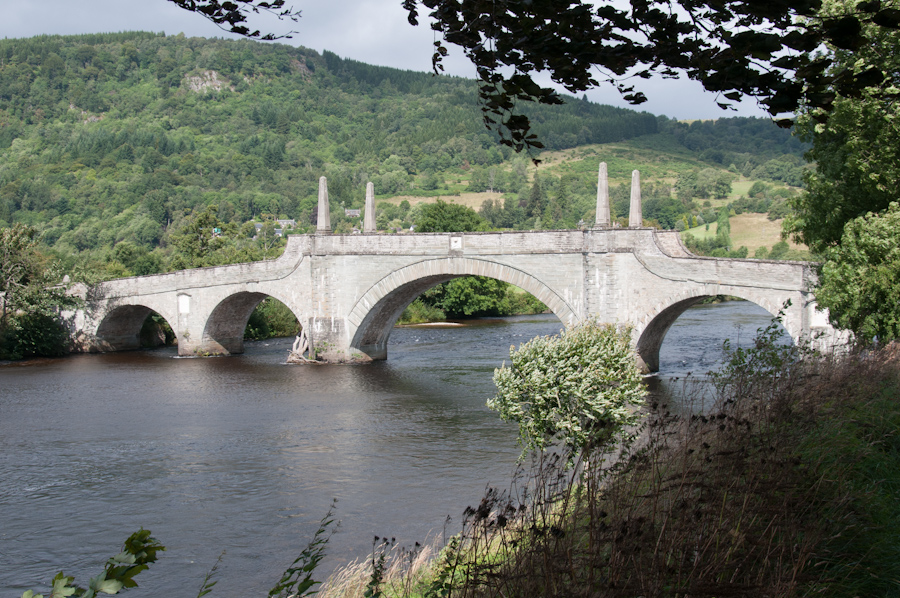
x=245 y=454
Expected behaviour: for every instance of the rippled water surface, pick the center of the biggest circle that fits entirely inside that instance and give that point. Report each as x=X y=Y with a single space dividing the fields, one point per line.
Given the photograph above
x=245 y=454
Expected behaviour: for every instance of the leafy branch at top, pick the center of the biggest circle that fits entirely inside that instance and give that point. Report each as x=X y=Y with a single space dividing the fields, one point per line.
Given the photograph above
x=231 y=15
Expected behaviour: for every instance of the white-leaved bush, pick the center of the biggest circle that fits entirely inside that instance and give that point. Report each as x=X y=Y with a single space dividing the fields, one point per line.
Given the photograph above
x=581 y=388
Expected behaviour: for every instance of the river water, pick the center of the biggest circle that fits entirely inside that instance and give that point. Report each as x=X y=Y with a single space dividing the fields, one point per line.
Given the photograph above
x=245 y=454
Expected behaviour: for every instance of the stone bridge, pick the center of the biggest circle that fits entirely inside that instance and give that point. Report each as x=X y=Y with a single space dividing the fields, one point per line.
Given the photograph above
x=349 y=290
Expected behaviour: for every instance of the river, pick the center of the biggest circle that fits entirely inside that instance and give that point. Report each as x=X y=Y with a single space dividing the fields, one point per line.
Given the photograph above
x=245 y=454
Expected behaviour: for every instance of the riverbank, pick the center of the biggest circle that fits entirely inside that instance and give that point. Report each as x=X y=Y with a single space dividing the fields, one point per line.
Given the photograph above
x=787 y=486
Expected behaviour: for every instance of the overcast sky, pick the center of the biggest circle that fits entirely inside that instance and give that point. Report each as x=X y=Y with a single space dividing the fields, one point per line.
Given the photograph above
x=372 y=31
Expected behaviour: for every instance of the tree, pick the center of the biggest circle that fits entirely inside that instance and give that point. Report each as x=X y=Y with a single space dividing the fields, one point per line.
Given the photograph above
x=443 y=217
x=581 y=388
x=470 y=296
x=30 y=298
x=856 y=150
x=848 y=213
x=138 y=260
x=860 y=278
x=779 y=250
x=537 y=199
x=266 y=238
x=197 y=238
x=766 y=50
x=723 y=227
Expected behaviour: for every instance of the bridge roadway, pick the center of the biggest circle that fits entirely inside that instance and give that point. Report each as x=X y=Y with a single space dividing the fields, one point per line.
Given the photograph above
x=349 y=290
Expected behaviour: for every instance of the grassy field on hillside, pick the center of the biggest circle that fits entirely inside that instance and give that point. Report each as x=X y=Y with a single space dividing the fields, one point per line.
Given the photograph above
x=653 y=163
x=749 y=230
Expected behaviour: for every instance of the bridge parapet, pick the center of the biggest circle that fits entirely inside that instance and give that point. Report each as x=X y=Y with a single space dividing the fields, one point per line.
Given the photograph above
x=475 y=243
x=606 y=240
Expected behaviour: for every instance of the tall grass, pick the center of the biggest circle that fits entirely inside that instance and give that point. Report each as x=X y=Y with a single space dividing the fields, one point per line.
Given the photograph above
x=391 y=570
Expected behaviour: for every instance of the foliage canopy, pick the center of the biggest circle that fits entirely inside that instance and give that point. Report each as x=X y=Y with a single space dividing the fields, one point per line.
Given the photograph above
x=848 y=214
x=856 y=150
x=443 y=217
x=860 y=278
x=30 y=298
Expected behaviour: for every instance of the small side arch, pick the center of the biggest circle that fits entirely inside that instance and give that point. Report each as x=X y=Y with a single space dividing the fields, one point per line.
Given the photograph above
x=652 y=329
x=374 y=314
x=223 y=333
x=120 y=328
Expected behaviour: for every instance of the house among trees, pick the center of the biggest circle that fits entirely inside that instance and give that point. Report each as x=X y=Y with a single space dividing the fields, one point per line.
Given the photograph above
x=279 y=232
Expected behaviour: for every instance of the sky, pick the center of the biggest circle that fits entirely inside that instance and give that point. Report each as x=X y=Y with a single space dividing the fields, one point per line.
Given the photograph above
x=371 y=31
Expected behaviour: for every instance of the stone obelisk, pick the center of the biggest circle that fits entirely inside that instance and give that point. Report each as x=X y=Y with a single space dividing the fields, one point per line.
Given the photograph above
x=323 y=224
x=635 y=217
x=602 y=219
x=369 y=221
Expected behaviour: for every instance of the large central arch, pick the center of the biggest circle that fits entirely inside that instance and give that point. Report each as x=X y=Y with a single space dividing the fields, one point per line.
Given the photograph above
x=375 y=313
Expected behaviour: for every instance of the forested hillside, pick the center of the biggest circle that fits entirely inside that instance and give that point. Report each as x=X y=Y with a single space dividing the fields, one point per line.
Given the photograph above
x=119 y=147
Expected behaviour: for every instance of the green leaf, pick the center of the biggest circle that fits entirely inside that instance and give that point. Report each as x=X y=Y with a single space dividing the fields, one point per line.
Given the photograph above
x=61 y=587
x=106 y=586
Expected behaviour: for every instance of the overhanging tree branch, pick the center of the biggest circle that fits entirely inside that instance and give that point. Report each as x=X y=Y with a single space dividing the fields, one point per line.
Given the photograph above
x=231 y=15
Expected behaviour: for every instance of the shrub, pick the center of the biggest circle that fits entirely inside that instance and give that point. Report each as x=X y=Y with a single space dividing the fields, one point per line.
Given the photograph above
x=581 y=388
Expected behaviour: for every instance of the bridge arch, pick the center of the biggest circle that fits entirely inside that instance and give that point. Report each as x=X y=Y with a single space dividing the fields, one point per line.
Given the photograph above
x=652 y=329
x=374 y=314
x=223 y=333
x=120 y=328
